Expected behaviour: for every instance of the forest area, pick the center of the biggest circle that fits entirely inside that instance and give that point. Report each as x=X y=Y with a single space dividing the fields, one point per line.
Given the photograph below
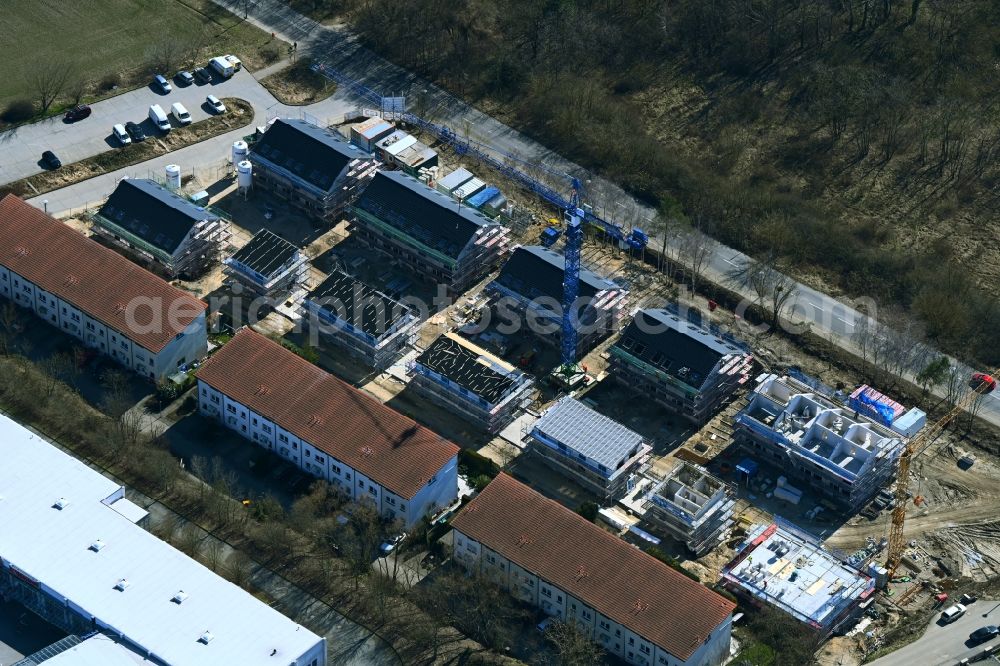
x=853 y=142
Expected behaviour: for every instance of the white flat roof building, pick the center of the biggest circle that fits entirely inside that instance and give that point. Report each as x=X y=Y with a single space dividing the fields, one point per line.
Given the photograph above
x=64 y=547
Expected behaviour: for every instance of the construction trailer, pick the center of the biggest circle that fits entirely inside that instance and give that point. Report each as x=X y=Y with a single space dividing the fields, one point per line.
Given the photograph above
x=161 y=228
x=312 y=168
x=680 y=365
x=782 y=566
x=370 y=325
x=426 y=232
x=532 y=281
x=593 y=450
x=688 y=504
x=366 y=134
x=268 y=265
x=405 y=151
x=832 y=450
x=481 y=387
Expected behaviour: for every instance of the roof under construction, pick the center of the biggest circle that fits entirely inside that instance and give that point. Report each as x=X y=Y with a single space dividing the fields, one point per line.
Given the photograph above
x=586 y=432
x=265 y=253
x=472 y=368
x=568 y=551
x=359 y=304
x=316 y=155
x=384 y=445
x=424 y=214
x=152 y=213
x=534 y=271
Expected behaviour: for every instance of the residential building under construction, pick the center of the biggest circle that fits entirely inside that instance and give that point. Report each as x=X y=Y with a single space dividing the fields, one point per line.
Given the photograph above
x=430 y=234
x=687 y=369
x=268 y=265
x=478 y=385
x=836 y=452
x=688 y=504
x=161 y=228
x=532 y=281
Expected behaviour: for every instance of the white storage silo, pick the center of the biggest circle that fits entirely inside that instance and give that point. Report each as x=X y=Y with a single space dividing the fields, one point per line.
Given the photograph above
x=240 y=150
x=244 y=175
x=173 y=177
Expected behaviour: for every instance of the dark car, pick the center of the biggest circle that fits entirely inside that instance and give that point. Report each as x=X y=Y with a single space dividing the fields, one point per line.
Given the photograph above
x=184 y=77
x=135 y=131
x=50 y=160
x=202 y=75
x=78 y=112
x=984 y=633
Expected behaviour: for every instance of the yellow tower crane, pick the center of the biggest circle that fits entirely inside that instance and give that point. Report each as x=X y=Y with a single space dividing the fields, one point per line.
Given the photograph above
x=981 y=385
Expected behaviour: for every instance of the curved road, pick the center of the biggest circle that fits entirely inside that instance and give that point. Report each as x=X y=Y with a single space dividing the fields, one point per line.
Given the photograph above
x=948 y=644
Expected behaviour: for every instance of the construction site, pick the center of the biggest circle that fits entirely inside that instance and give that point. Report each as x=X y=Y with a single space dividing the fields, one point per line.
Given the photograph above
x=725 y=449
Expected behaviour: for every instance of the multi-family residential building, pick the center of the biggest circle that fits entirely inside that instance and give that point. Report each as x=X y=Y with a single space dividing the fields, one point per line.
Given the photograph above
x=631 y=604
x=327 y=427
x=427 y=232
x=833 y=450
x=361 y=319
x=73 y=552
x=684 y=367
x=158 y=226
x=531 y=281
x=782 y=566
x=593 y=450
x=268 y=265
x=315 y=169
x=479 y=386
x=96 y=295
x=687 y=504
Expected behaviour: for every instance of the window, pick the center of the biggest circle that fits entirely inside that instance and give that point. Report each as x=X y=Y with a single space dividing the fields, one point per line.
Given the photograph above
x=320 y=459
x=631 y=641
x=255 y=420
x=391 y=501
x=266 y=428
x=644 y=649
x=432 y=480
x=230 y=409
x=371 y=490
x=74 y=316
x=605 y=625
x=546 y=592
x=215 y=399
x=283 y=438
x=402 y=507
x=41 y=298
x=309 y=454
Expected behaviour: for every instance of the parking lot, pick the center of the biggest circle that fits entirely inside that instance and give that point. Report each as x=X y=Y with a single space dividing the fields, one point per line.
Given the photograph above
x=945 y=645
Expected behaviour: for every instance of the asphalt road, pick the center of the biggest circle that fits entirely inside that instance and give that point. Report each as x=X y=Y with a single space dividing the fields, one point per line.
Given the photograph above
x=946 y=645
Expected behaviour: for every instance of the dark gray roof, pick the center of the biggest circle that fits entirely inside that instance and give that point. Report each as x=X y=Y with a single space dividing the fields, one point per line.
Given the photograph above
x=317 y=156
x=265 y=253
x=152 y=213
x=433 y=219
x=585 y=431
x=677 y=347
x=462 y=365
x=534 y=271
x=341 y=293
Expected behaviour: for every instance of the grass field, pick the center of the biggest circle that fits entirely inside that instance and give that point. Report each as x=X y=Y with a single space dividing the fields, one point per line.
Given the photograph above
x=105 y=37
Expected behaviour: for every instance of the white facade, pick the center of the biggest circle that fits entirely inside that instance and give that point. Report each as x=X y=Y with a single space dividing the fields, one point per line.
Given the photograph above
x=440 y=491
x=613 y=637
x=187 y=346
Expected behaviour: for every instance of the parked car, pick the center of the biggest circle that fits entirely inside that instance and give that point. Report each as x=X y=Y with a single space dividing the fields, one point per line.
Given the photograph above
x=180 y=113
x=162 y=83
x=50 y=161
x=952 y=613
x=202 y=75
x=135 y=131
x=78 y=112
x=984 y=633
x=159 y=118
x=389 y=545
x=545 y=624
x=184 y=77
x=121 y=134
x=215 y=104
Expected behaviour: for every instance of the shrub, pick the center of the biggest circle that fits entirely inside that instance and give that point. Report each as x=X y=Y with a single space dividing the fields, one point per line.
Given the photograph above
x=18 y=111
x=588 y=510
x=110 y=81
x=269 y=54
x=473 y=464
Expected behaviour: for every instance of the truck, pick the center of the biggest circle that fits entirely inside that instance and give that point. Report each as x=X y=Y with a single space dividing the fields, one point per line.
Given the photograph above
x=223 y=66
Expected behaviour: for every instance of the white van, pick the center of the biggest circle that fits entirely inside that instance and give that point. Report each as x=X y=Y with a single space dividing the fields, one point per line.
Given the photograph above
x=224 y=67
x=121 y=134
x=180 y=113
x=159 y=118
x=951 y=614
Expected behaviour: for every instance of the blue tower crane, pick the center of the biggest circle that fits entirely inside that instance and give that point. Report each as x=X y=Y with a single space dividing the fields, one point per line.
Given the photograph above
x=571 y=277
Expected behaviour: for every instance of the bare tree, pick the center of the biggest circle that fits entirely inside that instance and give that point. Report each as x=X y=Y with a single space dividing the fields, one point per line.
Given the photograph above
x=213 y=554
x=76 y=89
x=48 y=77
x=10 y=325
x=239 y=568
x=165 y=53
x=189 y=540
x=695 y=249
x=573 y=646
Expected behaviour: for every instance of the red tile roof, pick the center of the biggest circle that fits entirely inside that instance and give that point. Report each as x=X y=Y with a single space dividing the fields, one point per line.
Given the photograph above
x=358 y=430
x=632 y=588
x=98 y=281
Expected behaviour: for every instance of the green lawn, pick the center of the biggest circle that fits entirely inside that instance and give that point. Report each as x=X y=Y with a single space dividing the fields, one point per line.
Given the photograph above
x=103 y=37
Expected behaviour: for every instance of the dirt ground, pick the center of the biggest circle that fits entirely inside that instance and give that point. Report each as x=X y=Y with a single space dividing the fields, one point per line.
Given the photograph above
x=297 y=85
